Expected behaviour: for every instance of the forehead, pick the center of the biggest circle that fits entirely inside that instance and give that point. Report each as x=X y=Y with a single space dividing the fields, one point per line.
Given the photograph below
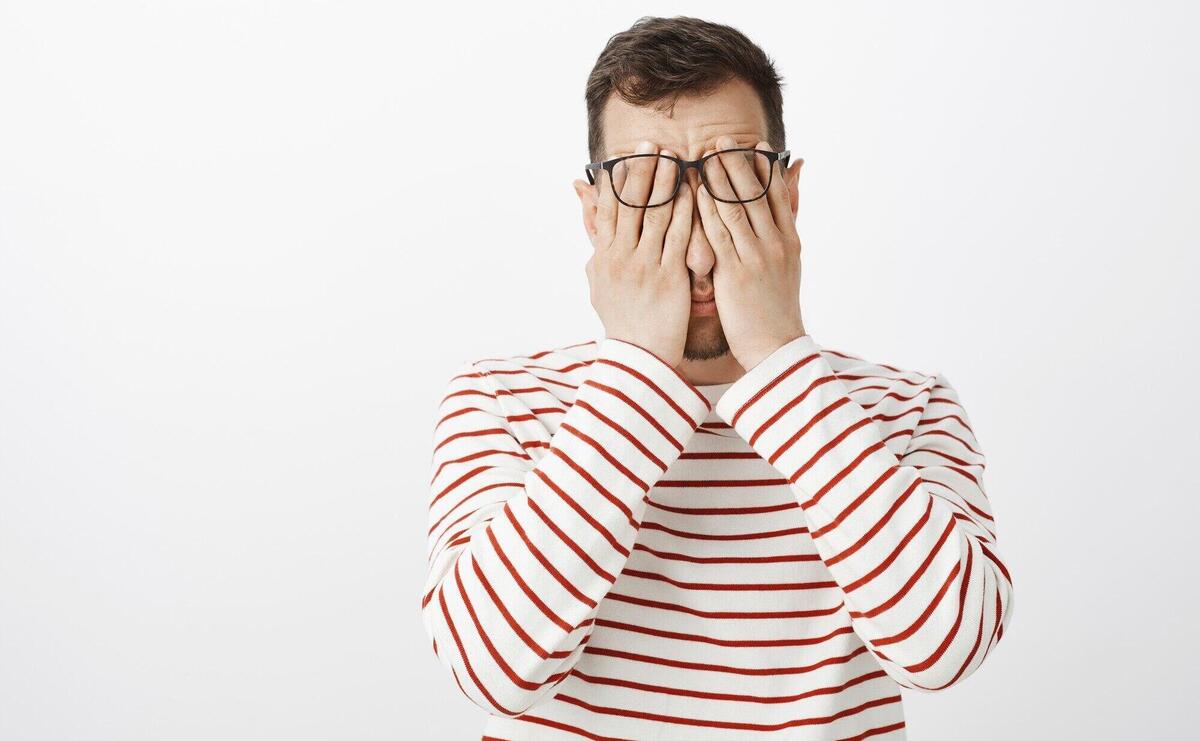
x=692 y=127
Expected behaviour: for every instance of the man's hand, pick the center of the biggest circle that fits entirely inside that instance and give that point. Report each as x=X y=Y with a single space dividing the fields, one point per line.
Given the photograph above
x=757 y=272
x=638 y=277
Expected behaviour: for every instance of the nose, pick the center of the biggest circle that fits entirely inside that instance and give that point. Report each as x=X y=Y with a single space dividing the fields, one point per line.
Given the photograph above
x=700 y=257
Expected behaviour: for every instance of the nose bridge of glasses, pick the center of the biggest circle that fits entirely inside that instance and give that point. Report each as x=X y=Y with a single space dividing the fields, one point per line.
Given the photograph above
x=690 y=172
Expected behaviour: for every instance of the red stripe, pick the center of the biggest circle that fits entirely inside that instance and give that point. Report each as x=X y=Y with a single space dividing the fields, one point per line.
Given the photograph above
x=654 y=387
x=462 y=652
x=724 y=723
x=891 y=557
x=762 y=509
x=912 y=580
x=916 y=624
x=772 y=384
x=866 y=538
x=837 y=478
x=512 y=571
x=583 y=513
x=521 y=455
x=717 y=483
x=570 y=543
x=732 y=643
x=565 y=727
x=723 y=614
x=875 y=732
x=994 y=559
x=780 y=587
x=512 y=622
x=854 y=505
x=646 y=525
x=753 y=671
x=809 y=425
x=959 y=494
x=978 y=641
x=459 y=503
x=599 y=448
x=497 y=659
x=451 y=486
x=962 y=603
x=545 y=562
x=582 y=404
x=783 y=558
x=766 y=700
x=950 y=435
x=600 y=488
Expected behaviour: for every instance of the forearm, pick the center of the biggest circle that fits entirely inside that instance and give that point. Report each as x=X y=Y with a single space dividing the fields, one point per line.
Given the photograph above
x=909 y=542
x=522 y=554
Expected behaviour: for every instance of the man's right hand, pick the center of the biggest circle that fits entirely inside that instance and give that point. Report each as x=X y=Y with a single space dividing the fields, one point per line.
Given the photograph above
x=637 y=272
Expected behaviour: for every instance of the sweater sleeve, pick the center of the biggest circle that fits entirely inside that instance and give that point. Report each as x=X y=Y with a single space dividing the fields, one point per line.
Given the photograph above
x=910 y=540
x=521 y=554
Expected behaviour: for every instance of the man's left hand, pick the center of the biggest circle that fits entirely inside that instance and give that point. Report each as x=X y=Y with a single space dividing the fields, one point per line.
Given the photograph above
x=756 y=277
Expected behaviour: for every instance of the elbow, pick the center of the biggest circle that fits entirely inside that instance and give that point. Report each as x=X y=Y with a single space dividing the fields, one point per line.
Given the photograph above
x=934 y=679
x=497 y=695
x=964 y=648
x=490 y=685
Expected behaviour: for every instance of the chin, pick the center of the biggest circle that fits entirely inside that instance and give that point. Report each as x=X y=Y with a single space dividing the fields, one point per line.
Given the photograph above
x=705 y=339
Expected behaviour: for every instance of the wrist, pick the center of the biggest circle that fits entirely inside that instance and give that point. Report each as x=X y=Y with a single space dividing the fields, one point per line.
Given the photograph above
x=751 y=358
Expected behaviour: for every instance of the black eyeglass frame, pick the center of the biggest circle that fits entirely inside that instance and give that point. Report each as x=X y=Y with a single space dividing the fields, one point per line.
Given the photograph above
x=684 y=166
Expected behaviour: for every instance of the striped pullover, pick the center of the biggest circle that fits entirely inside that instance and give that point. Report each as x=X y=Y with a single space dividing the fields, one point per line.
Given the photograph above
x=615 y=552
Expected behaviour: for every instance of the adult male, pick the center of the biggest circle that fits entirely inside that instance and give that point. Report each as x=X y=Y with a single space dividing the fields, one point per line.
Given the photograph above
x=704 y=524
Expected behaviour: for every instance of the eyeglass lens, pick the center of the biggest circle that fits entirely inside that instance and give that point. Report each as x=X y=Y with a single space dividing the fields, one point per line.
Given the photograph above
x=717 y=177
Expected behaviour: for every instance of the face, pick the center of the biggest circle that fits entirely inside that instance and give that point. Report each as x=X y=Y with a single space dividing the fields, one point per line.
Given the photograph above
x=690 y=131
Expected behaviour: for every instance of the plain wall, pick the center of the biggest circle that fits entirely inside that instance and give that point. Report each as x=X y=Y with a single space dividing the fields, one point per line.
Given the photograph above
x=244 y=244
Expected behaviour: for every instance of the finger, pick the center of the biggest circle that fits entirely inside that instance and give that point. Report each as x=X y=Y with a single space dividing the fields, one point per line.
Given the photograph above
x=606 y=209
x=656 y=218
x=734 y=216
x=747 y=183
x=639 y=175
x=679 y=233
x=714 y=228
x=777 y=194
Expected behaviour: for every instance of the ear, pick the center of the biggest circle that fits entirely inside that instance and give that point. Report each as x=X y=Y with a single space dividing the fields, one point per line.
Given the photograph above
x=587 y=200
x=791 y=176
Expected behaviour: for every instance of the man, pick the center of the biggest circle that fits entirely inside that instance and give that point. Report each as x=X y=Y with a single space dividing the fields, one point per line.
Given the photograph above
x=704 y=524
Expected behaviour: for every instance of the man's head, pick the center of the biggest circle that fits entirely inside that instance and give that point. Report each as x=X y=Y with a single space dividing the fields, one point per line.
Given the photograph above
x=682 y=83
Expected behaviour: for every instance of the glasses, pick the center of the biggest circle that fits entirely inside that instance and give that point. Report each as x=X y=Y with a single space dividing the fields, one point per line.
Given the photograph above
x=712 y=169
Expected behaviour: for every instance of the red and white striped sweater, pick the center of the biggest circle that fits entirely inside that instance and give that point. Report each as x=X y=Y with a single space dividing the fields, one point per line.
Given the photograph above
x=617 y=553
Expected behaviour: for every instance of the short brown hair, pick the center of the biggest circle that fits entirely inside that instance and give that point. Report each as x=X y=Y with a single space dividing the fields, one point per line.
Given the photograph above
x=657 y=60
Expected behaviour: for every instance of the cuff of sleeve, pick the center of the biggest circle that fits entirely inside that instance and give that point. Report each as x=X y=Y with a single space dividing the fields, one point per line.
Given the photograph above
x=760 y=379
x=662 y=386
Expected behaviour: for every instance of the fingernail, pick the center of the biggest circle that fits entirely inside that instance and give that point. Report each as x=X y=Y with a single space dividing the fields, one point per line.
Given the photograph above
x=645 y=147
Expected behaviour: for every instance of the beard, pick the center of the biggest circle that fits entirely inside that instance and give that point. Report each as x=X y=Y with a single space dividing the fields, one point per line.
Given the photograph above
x=705 y=339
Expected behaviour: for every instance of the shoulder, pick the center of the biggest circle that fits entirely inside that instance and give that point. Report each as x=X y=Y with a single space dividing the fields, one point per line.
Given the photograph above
x=862 y=371
x=898 y=396
x=555 y=369
x=903 y=400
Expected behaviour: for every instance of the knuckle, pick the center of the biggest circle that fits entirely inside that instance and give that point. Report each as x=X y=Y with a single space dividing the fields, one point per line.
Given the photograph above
x=735 y=216
x=654 y=216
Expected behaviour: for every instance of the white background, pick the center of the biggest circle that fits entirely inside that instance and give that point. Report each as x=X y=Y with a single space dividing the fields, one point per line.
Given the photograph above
x=243 y=245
